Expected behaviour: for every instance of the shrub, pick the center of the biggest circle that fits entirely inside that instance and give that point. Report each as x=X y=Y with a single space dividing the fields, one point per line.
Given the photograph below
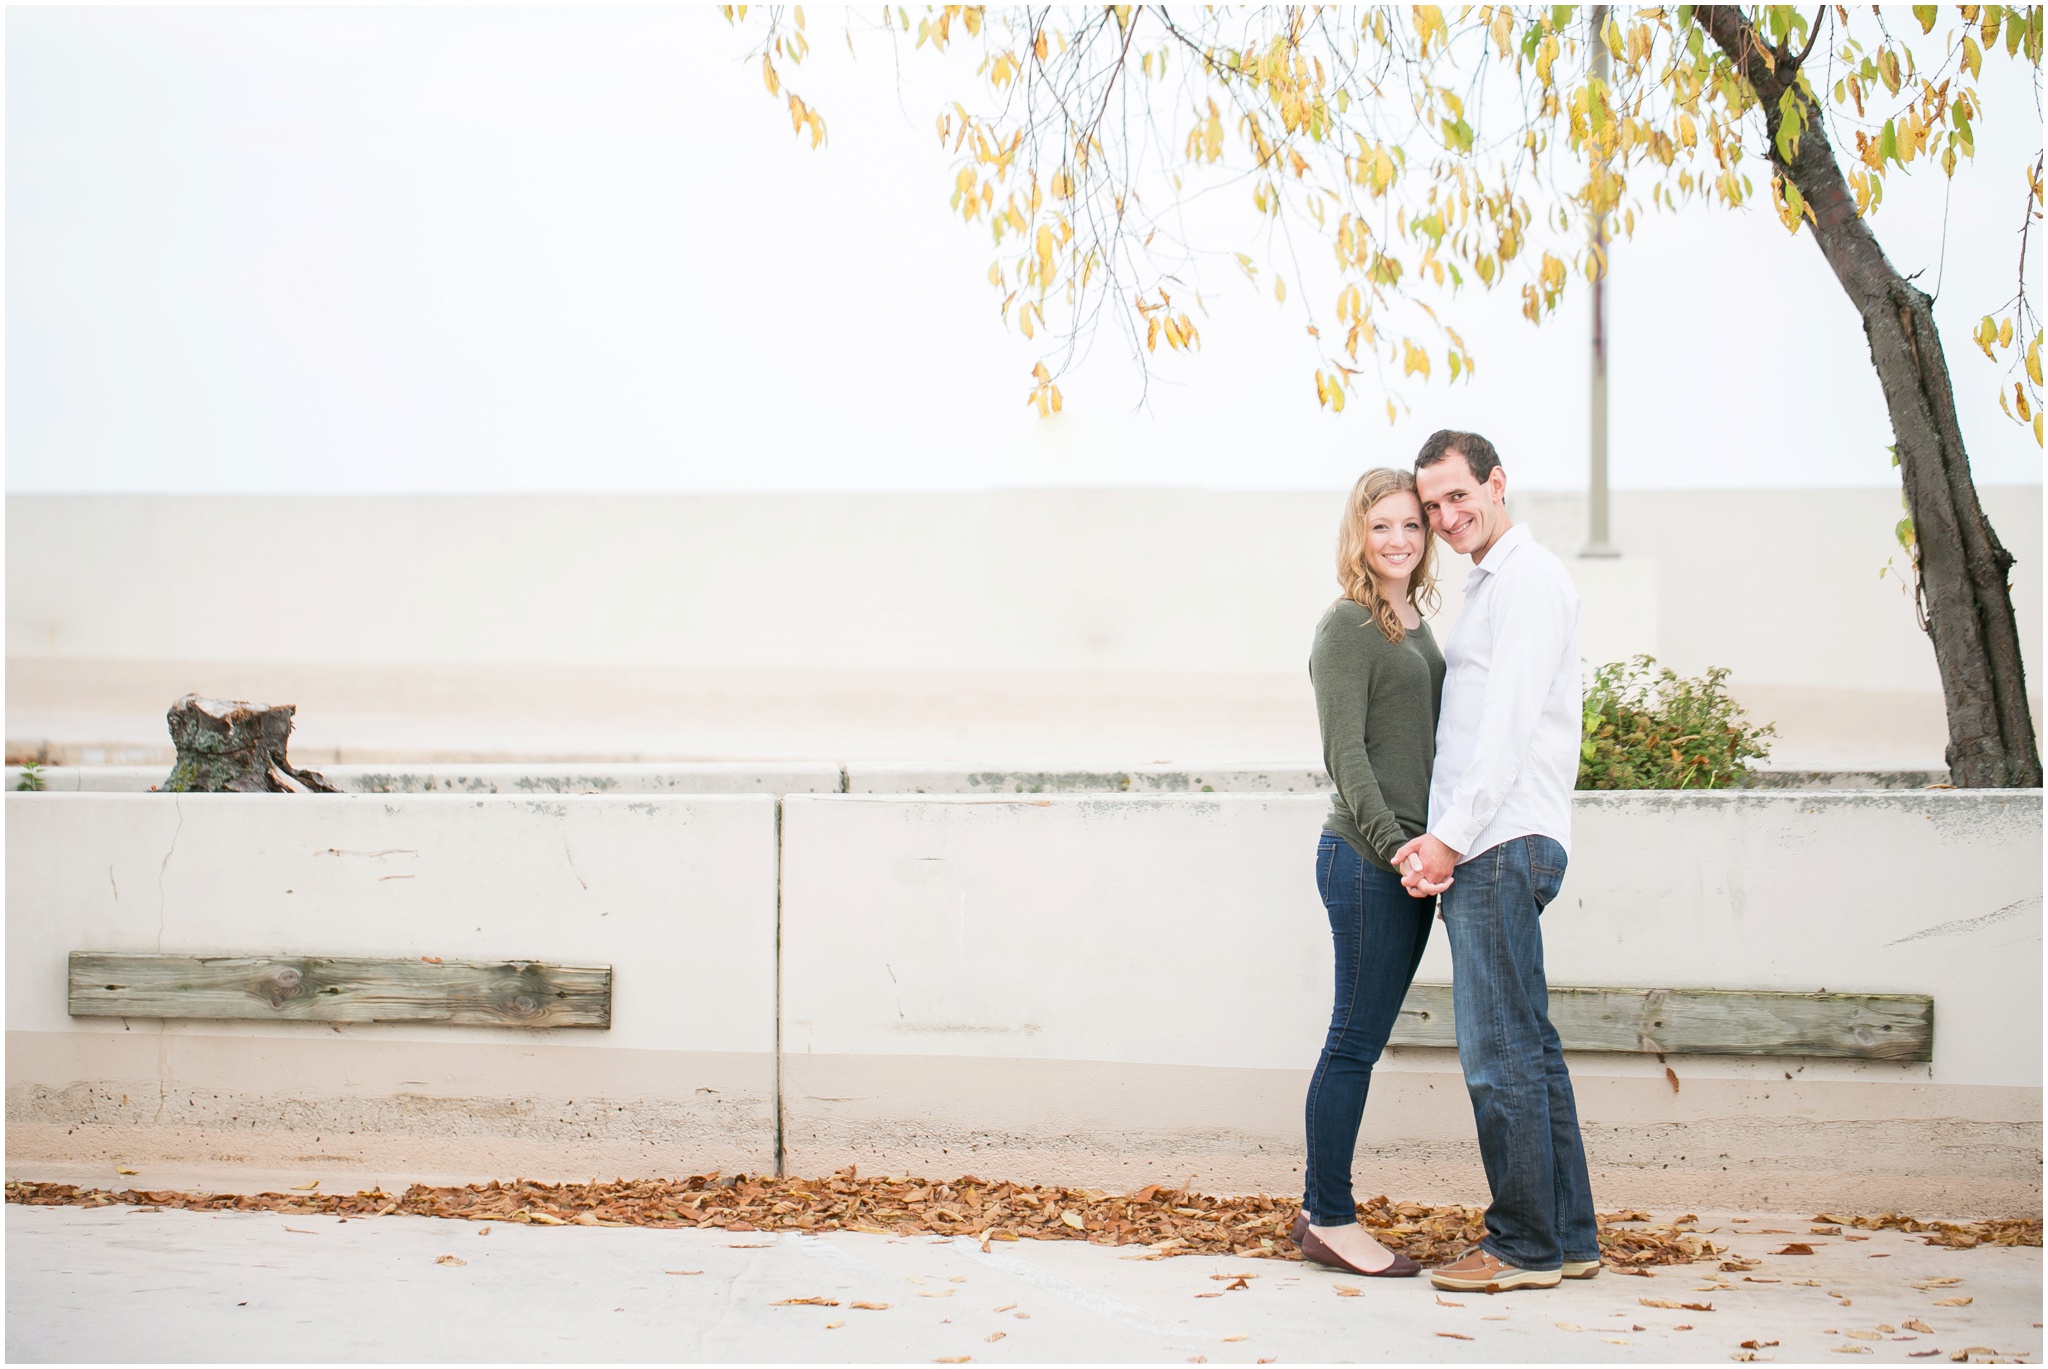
x=1646 y=728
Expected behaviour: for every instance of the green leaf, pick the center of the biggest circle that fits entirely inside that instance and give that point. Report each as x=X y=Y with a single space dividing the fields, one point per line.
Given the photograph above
x=1926 y=14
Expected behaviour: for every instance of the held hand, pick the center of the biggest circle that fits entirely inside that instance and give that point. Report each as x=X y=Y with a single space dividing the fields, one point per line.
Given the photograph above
x=1426 y=865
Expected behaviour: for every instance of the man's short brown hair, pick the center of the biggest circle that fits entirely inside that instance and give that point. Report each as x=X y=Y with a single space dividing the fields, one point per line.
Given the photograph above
x=1479 y=454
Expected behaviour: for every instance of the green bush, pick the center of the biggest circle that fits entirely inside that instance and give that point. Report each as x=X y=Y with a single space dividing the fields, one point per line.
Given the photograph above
x=1646 y=728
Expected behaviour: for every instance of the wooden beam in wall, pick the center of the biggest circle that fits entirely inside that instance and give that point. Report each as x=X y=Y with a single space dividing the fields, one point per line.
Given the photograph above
x=506 y=993
x=1855 y=1026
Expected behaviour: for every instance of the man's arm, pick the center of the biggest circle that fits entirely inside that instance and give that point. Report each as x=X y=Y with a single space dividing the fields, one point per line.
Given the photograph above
x=1531 y=618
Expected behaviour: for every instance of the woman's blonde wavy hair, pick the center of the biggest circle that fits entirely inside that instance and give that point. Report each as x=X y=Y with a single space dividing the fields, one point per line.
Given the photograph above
x=1356 y=578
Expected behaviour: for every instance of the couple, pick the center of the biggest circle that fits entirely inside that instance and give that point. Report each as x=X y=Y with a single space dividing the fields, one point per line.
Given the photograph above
x=1454 y=777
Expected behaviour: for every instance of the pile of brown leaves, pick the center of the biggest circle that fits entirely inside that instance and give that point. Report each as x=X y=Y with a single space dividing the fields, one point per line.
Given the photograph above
x=1166 y=1221
x=1955 y=1235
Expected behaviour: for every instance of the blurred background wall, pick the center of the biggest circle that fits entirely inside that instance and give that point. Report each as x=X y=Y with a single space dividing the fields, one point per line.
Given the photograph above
x=1028 y=626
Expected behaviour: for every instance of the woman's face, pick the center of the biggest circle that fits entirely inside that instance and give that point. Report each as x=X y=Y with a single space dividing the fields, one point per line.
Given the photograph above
x=1395 y=537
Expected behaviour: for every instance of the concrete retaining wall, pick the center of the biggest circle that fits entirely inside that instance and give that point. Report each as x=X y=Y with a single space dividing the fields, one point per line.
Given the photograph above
x=1097 y=989
x=678 y=895
x=680 y=777
x=1112 y=991
x=856 y=776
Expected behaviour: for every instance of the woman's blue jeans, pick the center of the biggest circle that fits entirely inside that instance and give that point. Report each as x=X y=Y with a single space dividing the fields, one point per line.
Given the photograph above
x=1379 y=933
x=1542 y=1210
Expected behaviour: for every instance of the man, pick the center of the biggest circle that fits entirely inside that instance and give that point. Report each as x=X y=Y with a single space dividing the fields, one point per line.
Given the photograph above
x=1507 y=758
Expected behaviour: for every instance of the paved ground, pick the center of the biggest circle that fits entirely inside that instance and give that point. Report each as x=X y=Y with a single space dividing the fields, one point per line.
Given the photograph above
x=137 y=1284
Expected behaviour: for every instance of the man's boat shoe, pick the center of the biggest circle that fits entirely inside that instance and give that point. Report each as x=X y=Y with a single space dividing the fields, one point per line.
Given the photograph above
x=1313 y=1248
x=1480 y=1272
x=1580 y=1269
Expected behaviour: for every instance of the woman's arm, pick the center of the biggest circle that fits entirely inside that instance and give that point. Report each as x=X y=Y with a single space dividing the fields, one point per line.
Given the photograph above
x=1341 y=668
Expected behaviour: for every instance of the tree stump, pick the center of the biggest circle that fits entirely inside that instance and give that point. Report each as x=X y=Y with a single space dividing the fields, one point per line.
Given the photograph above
x=229 y=747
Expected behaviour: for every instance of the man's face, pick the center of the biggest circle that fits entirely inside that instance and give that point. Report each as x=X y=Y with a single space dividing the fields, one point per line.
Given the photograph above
x=1468 y=514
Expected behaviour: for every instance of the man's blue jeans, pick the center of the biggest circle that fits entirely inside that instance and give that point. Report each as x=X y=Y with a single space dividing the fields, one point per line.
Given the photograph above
x=1542 y=1211
x=1379 y=933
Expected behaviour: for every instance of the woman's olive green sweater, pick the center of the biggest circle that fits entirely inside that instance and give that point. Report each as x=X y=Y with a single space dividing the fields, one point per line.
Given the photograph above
x=1377 y=703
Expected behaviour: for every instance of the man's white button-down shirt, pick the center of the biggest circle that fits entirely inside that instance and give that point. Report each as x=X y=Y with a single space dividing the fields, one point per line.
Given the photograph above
x=1507 y=741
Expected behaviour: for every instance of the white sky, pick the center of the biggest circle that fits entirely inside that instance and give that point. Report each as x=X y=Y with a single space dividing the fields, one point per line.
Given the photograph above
x=472 y=249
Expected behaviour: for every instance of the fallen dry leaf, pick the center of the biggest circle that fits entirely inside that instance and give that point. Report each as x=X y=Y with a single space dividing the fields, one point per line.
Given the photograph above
x=1917 y=1325
x=941 y=1293
x=1208 y=1295
x=1008 y=1305
x=996 y=1335
x=1344 y=1291
x=1166 y=1222
x=431 y=959
x=1683 y=1326
x=1953 y=1302
x=1924 y=1284
x=295 y=1230
x=1452 y=1335
x=1955 y=1235
x=682 y=1271
x=1228 y=1339
x=1850 y=1349
x=1863 y=1335
x=117 y=1171
x=1825 y=1231
x=806 y=1302
x=450 y=1260
x=1921 y=1354
x=1677 y=1306
x=834 y=1325
x=1795 y=1248
x=1758 y=1344
x=1445 y=1302
x=1568 y=1326
x=305 y=1188
x=878 y=1306
x=1971 y=1350
x=954 y=1359
x=1617 y=1340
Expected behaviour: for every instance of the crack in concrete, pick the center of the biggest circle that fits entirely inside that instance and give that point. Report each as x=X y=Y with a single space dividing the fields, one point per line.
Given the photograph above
x=162 y=898
x=1970 y=924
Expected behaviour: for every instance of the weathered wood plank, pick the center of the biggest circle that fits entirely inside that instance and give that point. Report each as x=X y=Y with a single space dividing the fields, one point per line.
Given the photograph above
x=510 y=993
x=1707 y=1022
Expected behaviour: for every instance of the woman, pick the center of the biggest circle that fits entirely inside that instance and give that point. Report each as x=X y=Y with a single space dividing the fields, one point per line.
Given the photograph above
x=1378 y=679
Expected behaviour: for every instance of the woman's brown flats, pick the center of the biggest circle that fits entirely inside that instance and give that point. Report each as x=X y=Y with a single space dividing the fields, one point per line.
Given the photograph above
x=1313 y=1248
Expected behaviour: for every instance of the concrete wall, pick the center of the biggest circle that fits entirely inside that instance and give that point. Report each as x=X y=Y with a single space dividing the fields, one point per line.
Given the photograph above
x=1780 y=585
x=1096 y=628
x=1115 y=991
x=1099 y=990
x=677 y=894
x=704 y=777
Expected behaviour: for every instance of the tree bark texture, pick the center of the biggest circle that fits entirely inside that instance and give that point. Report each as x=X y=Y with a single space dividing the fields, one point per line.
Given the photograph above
x=226 y=747
x=1962 y=568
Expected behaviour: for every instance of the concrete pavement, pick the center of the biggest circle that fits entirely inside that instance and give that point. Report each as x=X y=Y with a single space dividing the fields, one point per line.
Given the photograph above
x=132 y=1284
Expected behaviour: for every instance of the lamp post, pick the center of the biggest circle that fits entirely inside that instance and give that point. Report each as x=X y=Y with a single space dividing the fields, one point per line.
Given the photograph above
x=1597 y=542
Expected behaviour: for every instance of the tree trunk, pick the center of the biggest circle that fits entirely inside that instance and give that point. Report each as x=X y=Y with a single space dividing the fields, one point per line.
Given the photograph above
x=235 y=748
x=1961 y=566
